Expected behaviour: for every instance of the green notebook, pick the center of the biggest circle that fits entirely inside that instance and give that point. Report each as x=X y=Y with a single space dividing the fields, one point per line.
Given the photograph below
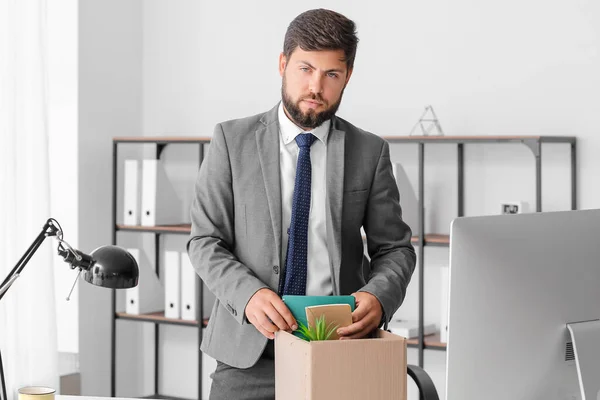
x=298 y=304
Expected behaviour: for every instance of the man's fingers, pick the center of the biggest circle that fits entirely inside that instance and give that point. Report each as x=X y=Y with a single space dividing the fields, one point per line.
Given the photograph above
x=277 y=319
x=257 y=324
x=352 y=329
x=285 y=313
x=265 y=333
x=263 y=321
x=361 y=328
x=359 y=335
x=360 y=312
x=252 y=319
x=268 y=326
x=267 y=312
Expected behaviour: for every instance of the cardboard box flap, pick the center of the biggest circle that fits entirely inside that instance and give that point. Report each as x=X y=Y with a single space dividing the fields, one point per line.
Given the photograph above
x=336 y=315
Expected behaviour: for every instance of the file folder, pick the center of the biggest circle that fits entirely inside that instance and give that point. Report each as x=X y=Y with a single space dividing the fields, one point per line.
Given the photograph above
x=146 y=297
x=172 y=285
x=131 y=193
x=409 y=328
x=160 y=203
x=189 y=290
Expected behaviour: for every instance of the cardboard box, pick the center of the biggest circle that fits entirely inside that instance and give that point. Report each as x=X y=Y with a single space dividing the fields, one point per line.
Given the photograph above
x=359 y=369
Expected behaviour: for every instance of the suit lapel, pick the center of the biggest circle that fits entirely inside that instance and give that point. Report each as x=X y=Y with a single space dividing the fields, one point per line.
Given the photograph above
x=335 y=195
x=267 y=141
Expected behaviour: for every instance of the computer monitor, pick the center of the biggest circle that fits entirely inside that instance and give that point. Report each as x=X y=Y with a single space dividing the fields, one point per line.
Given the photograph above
x=516 y=281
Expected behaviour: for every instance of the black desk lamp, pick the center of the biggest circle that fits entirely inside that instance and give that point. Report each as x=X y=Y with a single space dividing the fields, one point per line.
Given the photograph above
x=108 y=266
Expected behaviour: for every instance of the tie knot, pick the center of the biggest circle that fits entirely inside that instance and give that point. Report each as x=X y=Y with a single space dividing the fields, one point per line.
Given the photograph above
x=305 y=140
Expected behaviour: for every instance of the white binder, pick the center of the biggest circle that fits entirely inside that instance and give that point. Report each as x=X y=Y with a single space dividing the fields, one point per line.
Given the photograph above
x=409 y=328
x=146 y=297
x=445 y=292
x=172 y=285
x=131 y=193
x=160 y=203
x=408 y=198
x=189 y=290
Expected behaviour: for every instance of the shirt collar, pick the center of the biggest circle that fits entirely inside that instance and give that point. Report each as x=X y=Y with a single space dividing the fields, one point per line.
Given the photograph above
x=290 y=130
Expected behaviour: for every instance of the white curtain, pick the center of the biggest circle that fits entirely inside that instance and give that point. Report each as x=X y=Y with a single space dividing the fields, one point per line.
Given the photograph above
x=28 y=338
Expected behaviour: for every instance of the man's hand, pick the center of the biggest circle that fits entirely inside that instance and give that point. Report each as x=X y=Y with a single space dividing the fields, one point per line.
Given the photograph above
x=268 y=313
x=365 y=318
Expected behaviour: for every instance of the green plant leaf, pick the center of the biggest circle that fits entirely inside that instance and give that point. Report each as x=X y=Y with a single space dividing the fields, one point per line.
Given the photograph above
x=330 y=330
x=303 y=331
x=320 y=331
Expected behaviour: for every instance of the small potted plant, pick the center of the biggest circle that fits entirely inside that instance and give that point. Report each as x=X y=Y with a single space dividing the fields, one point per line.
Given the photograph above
x=320 y=330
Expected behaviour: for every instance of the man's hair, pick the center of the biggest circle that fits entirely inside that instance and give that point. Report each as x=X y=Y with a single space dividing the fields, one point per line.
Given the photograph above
x=322 y=29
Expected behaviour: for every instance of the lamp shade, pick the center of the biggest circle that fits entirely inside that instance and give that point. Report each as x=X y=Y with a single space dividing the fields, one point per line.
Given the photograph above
x=114 y=268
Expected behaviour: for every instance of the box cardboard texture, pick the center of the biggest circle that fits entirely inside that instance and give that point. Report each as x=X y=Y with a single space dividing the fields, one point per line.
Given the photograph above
x=358 y=369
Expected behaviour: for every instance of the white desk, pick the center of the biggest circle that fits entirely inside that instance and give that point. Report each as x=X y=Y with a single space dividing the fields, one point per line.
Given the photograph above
x=61 y=397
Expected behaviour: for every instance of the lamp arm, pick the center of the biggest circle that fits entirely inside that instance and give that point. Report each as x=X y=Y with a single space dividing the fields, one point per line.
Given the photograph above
x=116 y=269
x=51 y=228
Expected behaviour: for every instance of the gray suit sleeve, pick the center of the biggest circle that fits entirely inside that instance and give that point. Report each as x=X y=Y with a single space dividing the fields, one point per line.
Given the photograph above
x=213 y=235
x=388 y=239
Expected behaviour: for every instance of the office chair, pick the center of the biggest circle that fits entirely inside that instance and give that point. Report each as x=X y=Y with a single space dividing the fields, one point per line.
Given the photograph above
x=426 y=387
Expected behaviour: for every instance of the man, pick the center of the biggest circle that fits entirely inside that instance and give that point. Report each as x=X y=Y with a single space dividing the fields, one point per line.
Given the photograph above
x=280 y=201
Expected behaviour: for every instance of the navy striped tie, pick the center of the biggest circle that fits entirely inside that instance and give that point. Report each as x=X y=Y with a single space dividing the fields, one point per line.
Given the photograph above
x=296 y=264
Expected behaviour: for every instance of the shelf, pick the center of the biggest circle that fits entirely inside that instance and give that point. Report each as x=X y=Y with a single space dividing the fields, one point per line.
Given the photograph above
x=430 y=240
x=391 y=139
x=431 y=342
x=158 y=318
x=433 y=240
x=178 y=228
x=162 y=139
x=479 y=139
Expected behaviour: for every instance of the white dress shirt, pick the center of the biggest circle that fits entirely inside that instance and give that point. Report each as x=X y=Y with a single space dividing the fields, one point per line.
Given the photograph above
x=318 y=280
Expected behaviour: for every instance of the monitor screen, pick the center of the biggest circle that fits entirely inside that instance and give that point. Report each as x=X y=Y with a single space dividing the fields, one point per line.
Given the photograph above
x=516 y=281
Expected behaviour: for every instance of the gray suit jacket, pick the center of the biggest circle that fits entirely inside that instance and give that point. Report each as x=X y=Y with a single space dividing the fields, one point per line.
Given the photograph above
x=235 y=243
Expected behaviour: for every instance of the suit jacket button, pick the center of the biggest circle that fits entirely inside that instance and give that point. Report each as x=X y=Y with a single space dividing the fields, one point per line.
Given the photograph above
x=276 y=269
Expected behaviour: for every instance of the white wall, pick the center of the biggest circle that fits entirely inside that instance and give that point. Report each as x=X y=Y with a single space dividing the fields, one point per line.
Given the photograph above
x=110 y=47
x=515 y=67
x=63 y=141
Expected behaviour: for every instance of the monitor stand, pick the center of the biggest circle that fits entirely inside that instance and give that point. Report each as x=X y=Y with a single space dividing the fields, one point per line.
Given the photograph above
x=586 y=339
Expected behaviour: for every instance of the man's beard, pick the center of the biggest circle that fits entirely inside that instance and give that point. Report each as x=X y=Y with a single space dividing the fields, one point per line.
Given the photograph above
x=311 y=119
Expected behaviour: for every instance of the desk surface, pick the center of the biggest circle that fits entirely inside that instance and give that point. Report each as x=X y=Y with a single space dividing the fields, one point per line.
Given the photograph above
x=61 y=397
